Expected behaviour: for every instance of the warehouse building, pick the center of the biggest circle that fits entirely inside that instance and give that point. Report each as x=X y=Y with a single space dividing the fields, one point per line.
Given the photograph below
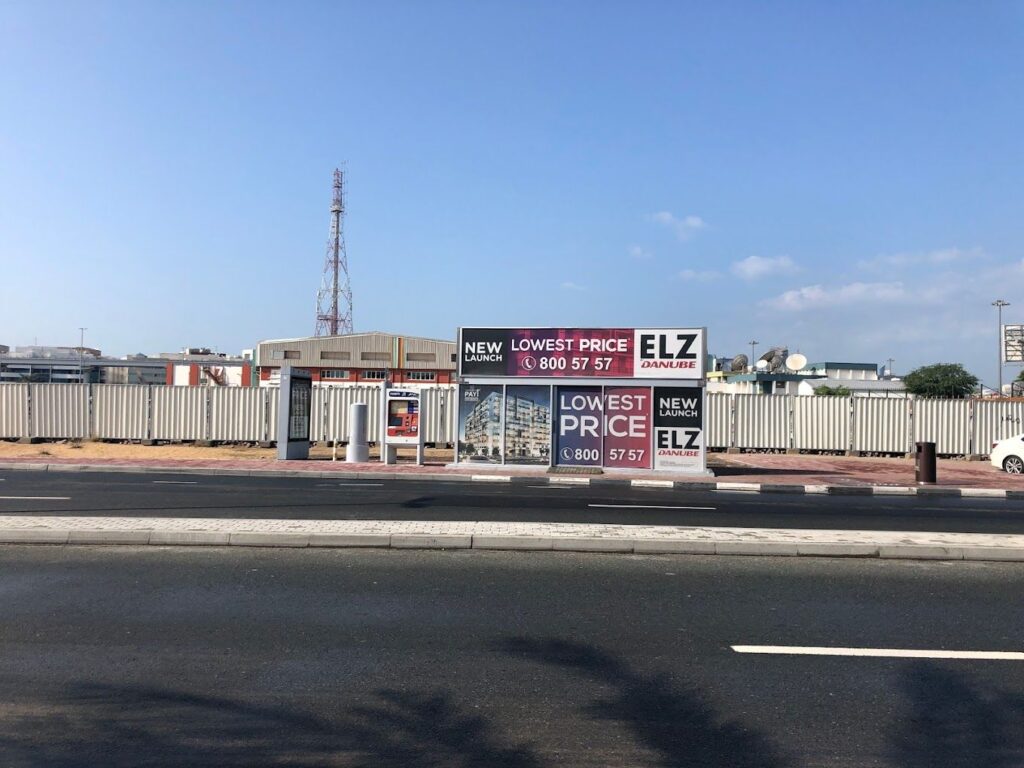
x=360 y=358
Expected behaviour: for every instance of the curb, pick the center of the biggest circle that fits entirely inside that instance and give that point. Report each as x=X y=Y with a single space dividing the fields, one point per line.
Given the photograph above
x=558 y=480
x=528 y=543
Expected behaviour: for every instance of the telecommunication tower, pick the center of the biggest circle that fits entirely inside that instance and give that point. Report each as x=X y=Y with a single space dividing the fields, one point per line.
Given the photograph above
x=334 y=299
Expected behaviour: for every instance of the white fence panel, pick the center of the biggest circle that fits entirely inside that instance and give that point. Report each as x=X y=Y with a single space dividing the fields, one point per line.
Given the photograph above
x=881 y=425
x=337 y=411
x=762 y=421
x=236 y=415
x=318 y=414
x=120 y=411
x=438 y=413
x=995 y=420
x=718 y=420
x=14 y=420
x=179 y=413
x=60 y=410
x=821 y=423
x=947 y=423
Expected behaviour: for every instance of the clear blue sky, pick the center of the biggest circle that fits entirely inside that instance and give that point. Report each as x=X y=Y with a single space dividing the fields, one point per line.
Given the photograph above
x=842 y=178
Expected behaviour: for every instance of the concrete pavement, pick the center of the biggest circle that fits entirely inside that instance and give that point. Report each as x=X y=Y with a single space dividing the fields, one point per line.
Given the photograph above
x=587 y=537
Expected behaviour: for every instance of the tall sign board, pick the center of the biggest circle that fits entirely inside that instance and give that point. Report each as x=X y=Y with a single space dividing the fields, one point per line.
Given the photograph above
x=294 y=413
x=625 y=398
x=1013 y=343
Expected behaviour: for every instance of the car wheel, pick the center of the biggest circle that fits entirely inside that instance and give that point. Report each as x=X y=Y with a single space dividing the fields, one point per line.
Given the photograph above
x=1014 y=465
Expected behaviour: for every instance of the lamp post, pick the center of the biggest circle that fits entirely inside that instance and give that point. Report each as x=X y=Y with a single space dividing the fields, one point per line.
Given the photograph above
x=753 y=345
x=999 y=304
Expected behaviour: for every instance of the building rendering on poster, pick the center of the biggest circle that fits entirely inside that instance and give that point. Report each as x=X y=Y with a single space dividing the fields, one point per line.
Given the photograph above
x=480 y=419
x=527 y=425
x=619 y=398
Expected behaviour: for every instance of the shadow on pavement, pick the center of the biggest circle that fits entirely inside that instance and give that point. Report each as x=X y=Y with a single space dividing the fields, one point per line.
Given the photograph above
x=118 y=727
x=676 y=724
x=955 y=723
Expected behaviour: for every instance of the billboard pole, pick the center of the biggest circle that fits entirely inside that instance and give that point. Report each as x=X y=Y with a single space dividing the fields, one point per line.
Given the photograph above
x=999 y=304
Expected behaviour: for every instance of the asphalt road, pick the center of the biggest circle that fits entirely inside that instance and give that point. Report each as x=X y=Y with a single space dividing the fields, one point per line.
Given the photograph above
x=161 y=495
x=126 y=656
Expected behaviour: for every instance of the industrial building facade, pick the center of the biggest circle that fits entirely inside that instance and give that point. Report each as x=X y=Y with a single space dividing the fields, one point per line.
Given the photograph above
x=360 y=358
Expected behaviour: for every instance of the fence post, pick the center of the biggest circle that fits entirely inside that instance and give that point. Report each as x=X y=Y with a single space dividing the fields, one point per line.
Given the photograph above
x=29 y=411
x=207 y=415
x=909 y=436
x=90 y=413
x=791 y=419
x=851 y=438
x=149 y=413
x=733 y=433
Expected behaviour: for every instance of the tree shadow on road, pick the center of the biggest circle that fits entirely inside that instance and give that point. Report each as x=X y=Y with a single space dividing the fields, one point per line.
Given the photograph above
x=122 y=726
x=956 y=723
x=677 y=724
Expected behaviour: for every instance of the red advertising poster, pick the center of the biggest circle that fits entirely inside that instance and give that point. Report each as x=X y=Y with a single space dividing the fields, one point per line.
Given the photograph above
x=570 y=352
x=627 y=427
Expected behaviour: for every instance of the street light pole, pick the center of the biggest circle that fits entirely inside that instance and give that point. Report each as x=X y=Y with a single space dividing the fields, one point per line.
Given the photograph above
x=999 y=304
x=753 y=344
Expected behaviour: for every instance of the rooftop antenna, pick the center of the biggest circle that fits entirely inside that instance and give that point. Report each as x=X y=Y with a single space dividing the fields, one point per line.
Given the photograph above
x=334 y=299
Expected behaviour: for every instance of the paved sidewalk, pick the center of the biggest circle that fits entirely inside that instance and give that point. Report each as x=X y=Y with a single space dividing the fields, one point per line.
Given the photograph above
x=575 y=537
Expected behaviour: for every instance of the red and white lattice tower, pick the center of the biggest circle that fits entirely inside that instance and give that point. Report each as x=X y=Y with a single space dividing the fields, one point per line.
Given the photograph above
x=334 y=299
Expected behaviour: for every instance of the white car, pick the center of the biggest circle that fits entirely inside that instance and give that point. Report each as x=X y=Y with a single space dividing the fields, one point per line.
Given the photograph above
x=1008 y=454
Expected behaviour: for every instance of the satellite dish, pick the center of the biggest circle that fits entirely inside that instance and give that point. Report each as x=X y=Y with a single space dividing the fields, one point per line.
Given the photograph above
x=739 y=363
x=796 y=362
x=761 y=365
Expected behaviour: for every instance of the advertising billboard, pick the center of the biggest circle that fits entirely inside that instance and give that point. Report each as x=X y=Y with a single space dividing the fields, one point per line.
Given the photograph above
x=679 y=428
x=1013 y=343
x=583 y=353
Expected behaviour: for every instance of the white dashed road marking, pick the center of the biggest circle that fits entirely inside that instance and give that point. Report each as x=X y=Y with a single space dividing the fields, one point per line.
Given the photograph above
x=642 y=506
x=885 y=653
x=36 y=498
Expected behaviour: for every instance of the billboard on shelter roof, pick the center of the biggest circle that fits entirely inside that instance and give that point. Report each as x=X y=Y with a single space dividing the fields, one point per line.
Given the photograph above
x=616 y=353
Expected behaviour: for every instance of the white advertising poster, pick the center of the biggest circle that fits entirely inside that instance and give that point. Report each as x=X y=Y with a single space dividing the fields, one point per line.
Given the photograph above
x=678 y=429
x=668 y=353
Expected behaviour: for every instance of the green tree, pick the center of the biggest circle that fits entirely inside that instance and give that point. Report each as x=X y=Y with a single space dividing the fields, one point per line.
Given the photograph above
x=941 y=380
x=828 y=391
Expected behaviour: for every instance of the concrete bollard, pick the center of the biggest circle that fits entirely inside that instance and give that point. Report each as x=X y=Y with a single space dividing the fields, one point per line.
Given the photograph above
x=358 y=448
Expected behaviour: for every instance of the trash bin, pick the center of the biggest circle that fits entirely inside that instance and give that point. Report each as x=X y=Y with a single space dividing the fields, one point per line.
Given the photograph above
x=924 y=463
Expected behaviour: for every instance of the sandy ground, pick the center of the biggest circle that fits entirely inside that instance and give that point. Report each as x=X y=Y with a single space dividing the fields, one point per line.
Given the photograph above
x=96 y=450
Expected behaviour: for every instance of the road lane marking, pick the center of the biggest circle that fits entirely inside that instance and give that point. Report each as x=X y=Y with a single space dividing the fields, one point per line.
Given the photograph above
x=349 y=485
x=887 y=653
x=36 y=498
x=175 y=482
x=642 y=506
x=491 y=478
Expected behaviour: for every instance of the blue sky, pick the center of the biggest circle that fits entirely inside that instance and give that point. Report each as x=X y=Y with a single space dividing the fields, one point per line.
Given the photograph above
x=841 y=178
